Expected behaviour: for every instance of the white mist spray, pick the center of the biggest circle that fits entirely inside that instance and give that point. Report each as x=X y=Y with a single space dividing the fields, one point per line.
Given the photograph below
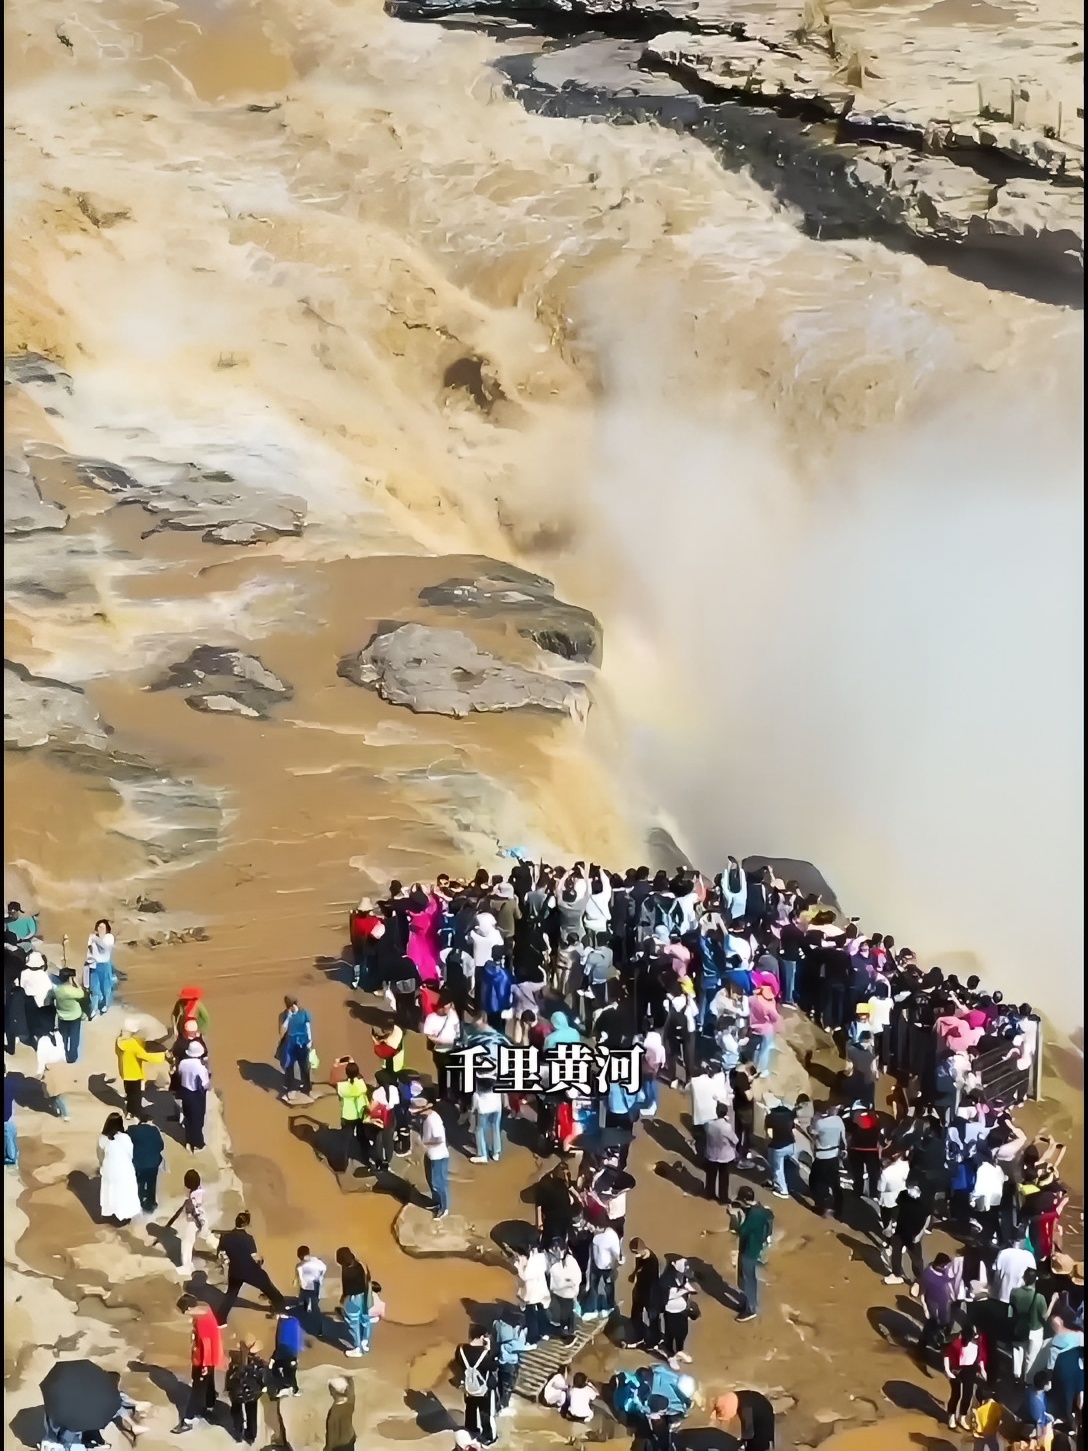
x=873 y=662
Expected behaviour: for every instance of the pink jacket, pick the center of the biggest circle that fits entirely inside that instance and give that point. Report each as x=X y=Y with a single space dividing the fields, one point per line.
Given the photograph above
x=763 y=1015
x=423 y=943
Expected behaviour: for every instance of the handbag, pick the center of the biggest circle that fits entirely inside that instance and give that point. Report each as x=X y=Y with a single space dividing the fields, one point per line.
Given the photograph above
x=693 y=1310
x=377 y=1308
x=315 y=1061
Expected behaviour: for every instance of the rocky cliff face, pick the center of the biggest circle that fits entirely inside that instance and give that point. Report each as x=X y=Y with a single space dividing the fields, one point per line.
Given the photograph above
x=956 y=125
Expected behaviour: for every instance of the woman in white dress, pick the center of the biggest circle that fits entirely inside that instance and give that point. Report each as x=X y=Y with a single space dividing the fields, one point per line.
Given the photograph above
x=119 y=1195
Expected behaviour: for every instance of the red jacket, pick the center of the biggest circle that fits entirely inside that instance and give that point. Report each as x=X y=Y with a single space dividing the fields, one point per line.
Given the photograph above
x=207 y=1341
x=953 y=1352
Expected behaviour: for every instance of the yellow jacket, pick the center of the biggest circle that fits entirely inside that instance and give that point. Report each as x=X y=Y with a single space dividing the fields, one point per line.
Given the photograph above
x=131 y=1057
x=353 y=1099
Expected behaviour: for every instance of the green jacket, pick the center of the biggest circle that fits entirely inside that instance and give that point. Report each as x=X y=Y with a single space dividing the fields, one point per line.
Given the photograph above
x=69 y=998
x=354 y=1097
x=755 y=1232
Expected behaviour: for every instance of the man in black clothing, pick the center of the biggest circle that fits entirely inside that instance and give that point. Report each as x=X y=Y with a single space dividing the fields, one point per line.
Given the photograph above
x=244 y=1267
x=554 y=1206
x=477 y=1370
x=795 y=987
x=14 y=997
x=749 y=1415
x=912 y=1216
x=864 y=1136
x=778 y=1126
x=836 y=975
x=147 y=1154
x=643 y=1279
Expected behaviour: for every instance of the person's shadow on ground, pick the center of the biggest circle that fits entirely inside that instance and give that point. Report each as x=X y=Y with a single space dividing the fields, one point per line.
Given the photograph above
x=263 y=1075
x=161 y=1110
x=669 y=1138
x=173 y=1387
x=431 y=1415
x=88 y=1192
x=30 y=1093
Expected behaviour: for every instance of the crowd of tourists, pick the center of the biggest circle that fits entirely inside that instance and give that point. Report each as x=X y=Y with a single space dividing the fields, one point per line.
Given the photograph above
x=571 y=1000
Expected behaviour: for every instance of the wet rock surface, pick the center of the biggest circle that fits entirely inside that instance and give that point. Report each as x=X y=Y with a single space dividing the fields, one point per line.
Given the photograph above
x=225 y=681
x=186 y=496
x=442 y=672
x=44 y=377
x=171 y=818
x=421 y=1235
x=25 y=511
x=879 y=123
x=41 y=712
x=491 y=590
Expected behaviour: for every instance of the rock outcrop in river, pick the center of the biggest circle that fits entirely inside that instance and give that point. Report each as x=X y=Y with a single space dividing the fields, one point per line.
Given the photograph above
x=882 y=121
x=505 y=591
x=225 y=682
x=442 y=672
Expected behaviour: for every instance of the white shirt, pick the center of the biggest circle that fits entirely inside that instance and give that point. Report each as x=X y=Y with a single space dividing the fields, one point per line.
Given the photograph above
x=689 y=905
x=892 y=1182
x=310 y=1272
x=580 y=1402
x=880 y=1014
x=739 y=947
x=605 y=1249
x=441 y=1029
x=485 y=936
x=101 y=948
x=433 y=1133
x=1026 y=1043
x=565 y=1278
x=533 y=1279
x=487 y=1101
x=193 y=1073
x=677 y=1300
x=555 y=1391
x=707 y=1091
x=37 y=984
x=968 y=1353
x=989 y=1184
x=1009 y=1270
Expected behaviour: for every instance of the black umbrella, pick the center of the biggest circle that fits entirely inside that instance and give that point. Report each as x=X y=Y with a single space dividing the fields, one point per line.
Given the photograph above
x=613 y=1181
x=81 y=1396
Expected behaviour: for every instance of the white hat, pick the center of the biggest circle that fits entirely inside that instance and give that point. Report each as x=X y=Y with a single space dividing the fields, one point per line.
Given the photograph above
x=35 y=959
x=131 y=1026
x=194 y=1050
x=686 y=1386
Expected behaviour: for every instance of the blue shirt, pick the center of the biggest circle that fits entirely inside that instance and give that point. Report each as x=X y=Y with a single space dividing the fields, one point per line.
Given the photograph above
x=297 y=1027
x=1035 y=1407
x=511 y=1342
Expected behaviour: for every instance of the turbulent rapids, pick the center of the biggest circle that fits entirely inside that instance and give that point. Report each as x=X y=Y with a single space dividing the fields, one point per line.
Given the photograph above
x=313 y=278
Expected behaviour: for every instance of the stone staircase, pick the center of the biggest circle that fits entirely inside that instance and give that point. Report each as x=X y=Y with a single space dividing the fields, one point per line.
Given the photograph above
x=539 y=1365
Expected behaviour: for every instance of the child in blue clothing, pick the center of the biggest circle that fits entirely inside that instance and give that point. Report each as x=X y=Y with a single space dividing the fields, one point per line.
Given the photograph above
x=284 y=1364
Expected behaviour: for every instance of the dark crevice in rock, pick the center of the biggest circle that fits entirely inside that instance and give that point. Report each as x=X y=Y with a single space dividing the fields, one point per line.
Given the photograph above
x=800 y=160
x=994 y=208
